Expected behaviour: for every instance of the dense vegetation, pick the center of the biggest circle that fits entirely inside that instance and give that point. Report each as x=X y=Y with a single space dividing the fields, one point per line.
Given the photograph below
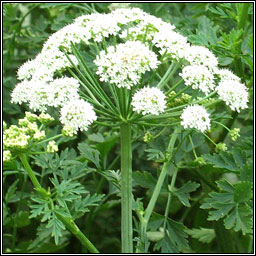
x=209 y=206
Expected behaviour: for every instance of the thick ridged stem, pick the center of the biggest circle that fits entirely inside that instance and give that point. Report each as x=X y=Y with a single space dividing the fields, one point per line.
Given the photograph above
x=126 y=188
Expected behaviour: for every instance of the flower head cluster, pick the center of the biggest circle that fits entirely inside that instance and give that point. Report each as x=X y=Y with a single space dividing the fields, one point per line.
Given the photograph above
x=124 y=65
x=234 y=94
x=171 y=43
x=7 y=156
x=98 y=25
x=149 y=101
x=195 y=117
x=39 y=95
x=52 y=147
x=18 y=138
x=199 y=77
x=200 y=55
x=234 y=134
x=225 y=74
x=77 y=114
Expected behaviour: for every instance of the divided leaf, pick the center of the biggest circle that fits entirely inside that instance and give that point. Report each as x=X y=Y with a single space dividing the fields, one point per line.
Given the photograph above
x=204 y=235
x=183 y=192
x=232 y=204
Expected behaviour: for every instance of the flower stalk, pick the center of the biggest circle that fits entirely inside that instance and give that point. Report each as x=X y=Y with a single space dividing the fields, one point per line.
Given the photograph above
x=126 y=188
x=159 y=184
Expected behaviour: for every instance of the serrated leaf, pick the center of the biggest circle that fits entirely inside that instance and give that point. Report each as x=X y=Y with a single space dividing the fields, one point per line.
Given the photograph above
x=155 y=154
x=11 y=191
x=90 y=154
x=240 y=219
x=57 y=228
x=183 y=192
x=231 y=207
x=143 y=179
x=243 y=191
x=231 y=161
x=175 y=238
x=204 y=235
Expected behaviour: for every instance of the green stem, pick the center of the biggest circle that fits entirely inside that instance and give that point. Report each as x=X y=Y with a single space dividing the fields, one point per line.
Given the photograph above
x=32 y=176
x=49 y=139
x=126 y=188
x=73 y=228
x=159 y=184
x=174 y=176
x=14 y=235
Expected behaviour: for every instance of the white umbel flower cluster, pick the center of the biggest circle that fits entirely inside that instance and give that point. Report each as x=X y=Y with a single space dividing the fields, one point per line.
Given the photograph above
x=195 y=117
x=170 y=42
x=149 y=101
x=124 y=65
x=225 y=74
x=40 y=95
x=77 y=114
x=200 y=55
x=99 y=25
x=234 y=94
x=199 y=77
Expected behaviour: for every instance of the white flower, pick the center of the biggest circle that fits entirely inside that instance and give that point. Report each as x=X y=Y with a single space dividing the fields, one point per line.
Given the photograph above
x=27 y=70
x=124 y=65
x=99 y=25
x=77 y=114
x=149 y=101
x=70 y=33
x=200 y=55
x=63 y=90
x=40 y=94
x=195 y=117
x=234 y=94
x=171 y=42
x=146 y=29
x=199 y=77
x=225 y=74
x=21 y=93
x=125 y=16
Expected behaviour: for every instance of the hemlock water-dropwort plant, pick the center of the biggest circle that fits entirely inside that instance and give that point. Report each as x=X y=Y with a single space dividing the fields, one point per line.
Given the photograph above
x=106 y=70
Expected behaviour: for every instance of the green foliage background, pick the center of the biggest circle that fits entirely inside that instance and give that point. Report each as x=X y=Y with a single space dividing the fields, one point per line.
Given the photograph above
x=226 y=29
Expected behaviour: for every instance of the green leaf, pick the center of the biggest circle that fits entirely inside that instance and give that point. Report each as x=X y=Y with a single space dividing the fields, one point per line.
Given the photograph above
x=243 y=191
x=57 y=227
x=144 y=179
x=11 y=191
x=232 y=204
x=155 y=154
x=175 y=237
x=231 y=161
x=183 y=192
x=90 y=154
x=204 y=235
x=240 y=219
x=22 y=219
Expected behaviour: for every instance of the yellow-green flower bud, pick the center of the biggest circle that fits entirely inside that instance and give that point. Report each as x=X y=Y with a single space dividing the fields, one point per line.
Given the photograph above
x=45 y=118
x=199 y=161
x=7 y=156
x=30 y=117
x=221 y=147
x=39 y=135
x=68 y=131
x=234 y=134
x=148 y=137
x=52 y=147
